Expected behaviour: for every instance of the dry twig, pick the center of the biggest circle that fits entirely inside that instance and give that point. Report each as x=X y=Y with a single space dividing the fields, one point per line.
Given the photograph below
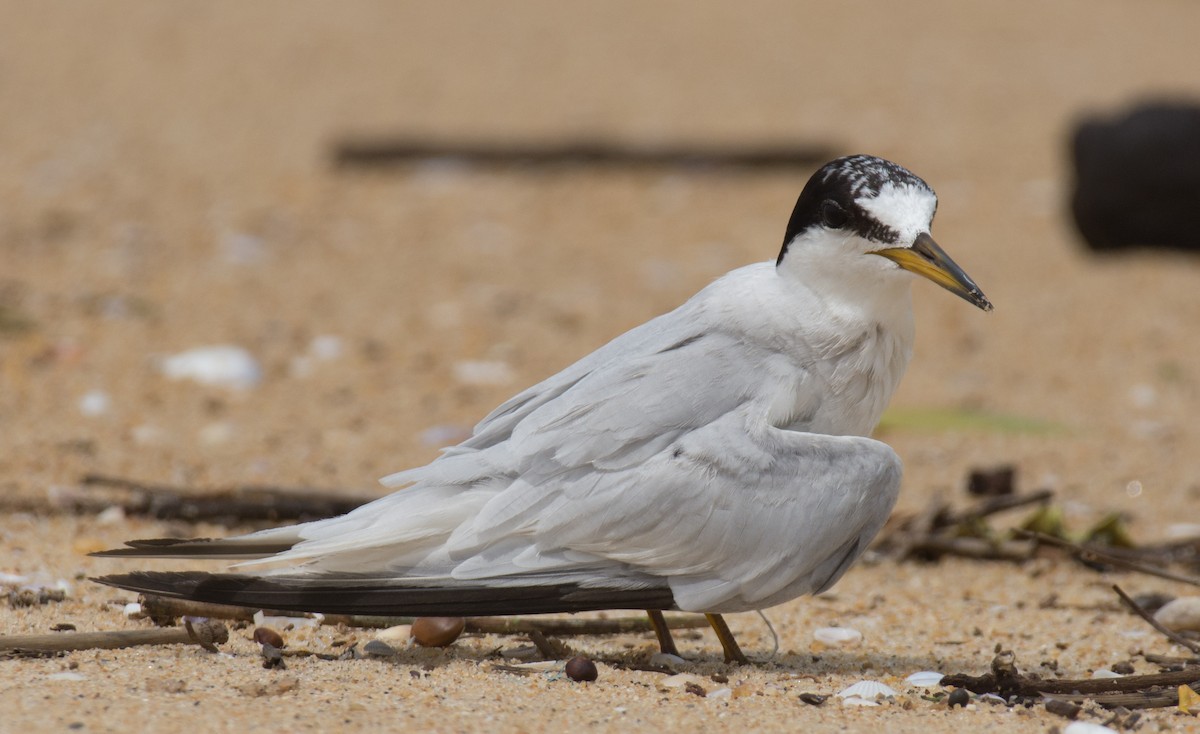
x=207 y=634
x=1170 y=634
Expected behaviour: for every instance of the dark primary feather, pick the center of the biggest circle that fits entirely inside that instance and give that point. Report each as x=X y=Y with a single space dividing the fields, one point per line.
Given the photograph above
x=193 y=548
x=348 y=594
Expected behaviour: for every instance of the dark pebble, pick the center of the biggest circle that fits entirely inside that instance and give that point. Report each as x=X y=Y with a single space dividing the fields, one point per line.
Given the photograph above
x=581 y=669
x=379 y=648
x=1124 y=668
x=995 y=482
x=268 y=636
x=696 y=690
x=437 y=631
x=958 y=697
x=272 y=657
x=813 y=699
x=1066 y=709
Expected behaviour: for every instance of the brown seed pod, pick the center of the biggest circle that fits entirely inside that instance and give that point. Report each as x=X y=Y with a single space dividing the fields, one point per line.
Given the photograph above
x=437 y=631
x=268 y=636
x=580 y=668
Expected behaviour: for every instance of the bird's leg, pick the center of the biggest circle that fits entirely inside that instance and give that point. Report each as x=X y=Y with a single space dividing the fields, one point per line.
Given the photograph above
x=666 y=643
x=733 y=653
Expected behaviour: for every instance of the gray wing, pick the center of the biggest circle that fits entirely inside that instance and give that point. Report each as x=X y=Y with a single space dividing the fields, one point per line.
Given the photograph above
x=735 y=516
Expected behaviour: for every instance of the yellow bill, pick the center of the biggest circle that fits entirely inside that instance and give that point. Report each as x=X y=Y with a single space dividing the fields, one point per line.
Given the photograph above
x=927 y=259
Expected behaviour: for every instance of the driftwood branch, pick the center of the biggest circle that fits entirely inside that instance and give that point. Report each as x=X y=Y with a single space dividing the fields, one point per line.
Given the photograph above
x=397 y=150
x=207 y=634
x=1144 y=691
x=1091 y=553
x=158 y=607
x=227 y=506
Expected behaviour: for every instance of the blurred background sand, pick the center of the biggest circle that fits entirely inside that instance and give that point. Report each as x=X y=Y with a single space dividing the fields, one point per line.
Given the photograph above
x=166 y=182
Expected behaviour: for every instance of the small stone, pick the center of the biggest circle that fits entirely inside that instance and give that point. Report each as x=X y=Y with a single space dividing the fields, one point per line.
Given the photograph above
x=813 y=699
x=837 y=636
x=677 y=682
x=437 y=631
x=272 y=657
x=958 y=697
x=1123 y=668
x=63 y=627
x=673 y=663
x=581 y=669
x=1179 y=615
x=696 y=690
x=379 y=649
x=268 y=636
x=995 y=482
x=1065 y=709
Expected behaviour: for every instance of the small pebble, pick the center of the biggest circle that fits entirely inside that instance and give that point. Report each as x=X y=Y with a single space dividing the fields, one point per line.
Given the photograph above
x=1065 y=709
x=268 y=636
x=813 y=699
x=1124 y=668
x=958 y=697
x=677 y=682
x=837 y=636
x=272 y=657
x=379 y=649
x=220 y=366
x=696 y=690
x=1087 y=727
x=1182 y=614
x=673 y=663
x=581 y=669
x=63 y=627
x=437 y=631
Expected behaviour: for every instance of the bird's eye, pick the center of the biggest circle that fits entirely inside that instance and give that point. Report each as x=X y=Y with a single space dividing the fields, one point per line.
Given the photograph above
x=833 y=215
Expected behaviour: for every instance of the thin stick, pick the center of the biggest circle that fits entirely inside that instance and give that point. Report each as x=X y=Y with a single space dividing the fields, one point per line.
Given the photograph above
x=67 y=641
x=1170 y=634
x=1109 y=558
x=544 y=646
x=994 y=505
x=163 y=607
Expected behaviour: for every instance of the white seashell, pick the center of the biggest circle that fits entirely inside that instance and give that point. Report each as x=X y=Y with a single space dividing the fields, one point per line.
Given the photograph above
x=95 y=403
x=1105 y=673
x=868 y=689
x=111 y=515
x=1180 y=614
x=837 y=635
x=1087 y=727
x=721 y=693
x=399 y=634
x=482 y=372
x=221 y=366
x=924 y=679
x=857 y=701
x=678 y=682
x=668 y=661
x=133 y=610
x=542 y=666
x=1183 y=530
x=285 y=623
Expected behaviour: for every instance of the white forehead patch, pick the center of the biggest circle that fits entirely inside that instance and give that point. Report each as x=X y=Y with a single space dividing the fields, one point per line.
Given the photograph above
x=905 y=208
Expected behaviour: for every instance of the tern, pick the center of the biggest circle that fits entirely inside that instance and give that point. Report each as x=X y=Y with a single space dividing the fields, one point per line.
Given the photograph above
x=715 y=459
